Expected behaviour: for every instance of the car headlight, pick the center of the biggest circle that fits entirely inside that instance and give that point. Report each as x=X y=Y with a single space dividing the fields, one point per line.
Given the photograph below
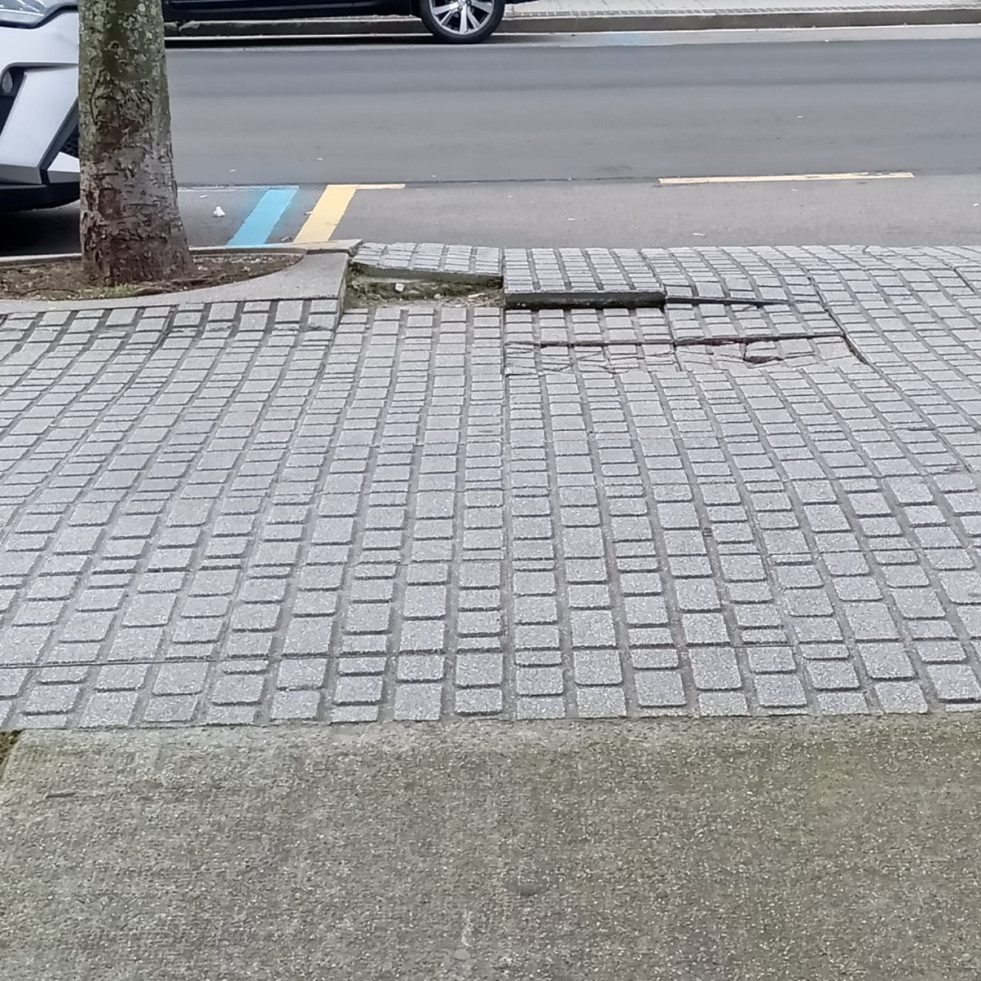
x=29 y=13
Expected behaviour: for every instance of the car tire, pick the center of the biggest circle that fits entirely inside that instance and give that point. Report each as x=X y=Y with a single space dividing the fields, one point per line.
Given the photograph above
x=461 y=21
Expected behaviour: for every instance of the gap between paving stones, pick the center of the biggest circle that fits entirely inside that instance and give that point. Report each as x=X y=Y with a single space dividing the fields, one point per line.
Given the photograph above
x=630 y=339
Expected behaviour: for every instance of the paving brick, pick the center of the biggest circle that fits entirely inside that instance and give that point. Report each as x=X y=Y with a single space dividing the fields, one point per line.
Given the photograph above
x=954 y=682
x=367 y=618
x=539 y=681
x=12 y=681
x=479 y=623
x=217 y=714
x=301 y=673
x=51 y=699
x=109 y=708
x=247 y=645
x=659 y=689
x=766 y=660
x=478 y=701
x=86 y=627
x=479 y=670
x=255 y=617
x=358 y=690
x=600 y=703
x=842 y=703
x=308 y=636
x=598 y=668
x=704 y=628
x=942 y=651
x=832 y=675
x=535 y=609
x=592 y=628
x=238 y=690
x=185 y=632
x=540 y=708
x=422 y=637
x=901 y=697
x=886 y=662
x=871 y=621
x=149 y=610
x=420 y=667
x=425 y=602
x=714 y=669
x=643 y=657
x=536 y=638
x=290 y=705
x=354 y=713
x=777 y=691
x=418 y=703
x=722 y=703
x=171 y=708
x=697 y=594
x=180 y=679
x=646 y=610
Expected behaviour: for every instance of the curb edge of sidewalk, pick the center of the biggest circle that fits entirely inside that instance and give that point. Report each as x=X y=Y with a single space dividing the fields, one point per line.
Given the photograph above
x=272 y=30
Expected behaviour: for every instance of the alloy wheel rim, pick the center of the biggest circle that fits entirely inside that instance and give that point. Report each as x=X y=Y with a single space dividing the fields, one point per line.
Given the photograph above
x=463 y=17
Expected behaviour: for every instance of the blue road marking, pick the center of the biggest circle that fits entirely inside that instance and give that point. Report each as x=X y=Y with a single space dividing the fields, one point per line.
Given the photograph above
x=262 y=219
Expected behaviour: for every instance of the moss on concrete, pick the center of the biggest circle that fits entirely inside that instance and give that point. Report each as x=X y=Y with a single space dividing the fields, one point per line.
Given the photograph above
x=7 y=740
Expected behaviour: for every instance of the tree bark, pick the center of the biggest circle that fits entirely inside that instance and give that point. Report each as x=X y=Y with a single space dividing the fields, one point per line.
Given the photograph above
x=131 y=229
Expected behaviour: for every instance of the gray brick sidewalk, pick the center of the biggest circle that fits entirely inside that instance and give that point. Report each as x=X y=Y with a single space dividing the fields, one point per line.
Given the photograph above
x=768 y=501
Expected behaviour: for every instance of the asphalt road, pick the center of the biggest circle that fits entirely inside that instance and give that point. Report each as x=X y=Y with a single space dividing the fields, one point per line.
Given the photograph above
x=518 y=113
x=565 y=142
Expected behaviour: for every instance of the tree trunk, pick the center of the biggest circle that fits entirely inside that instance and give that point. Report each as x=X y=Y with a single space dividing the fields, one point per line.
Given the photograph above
x=131 y=229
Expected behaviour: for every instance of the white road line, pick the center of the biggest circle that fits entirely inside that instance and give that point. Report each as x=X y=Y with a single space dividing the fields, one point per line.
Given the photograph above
x=791 y=178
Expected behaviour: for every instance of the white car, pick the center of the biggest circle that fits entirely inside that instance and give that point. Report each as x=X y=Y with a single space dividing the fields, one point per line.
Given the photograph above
x=38 y=103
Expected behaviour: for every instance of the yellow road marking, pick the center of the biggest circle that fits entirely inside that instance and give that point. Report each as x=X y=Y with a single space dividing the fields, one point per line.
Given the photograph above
x=327 y=213
x=787 y=178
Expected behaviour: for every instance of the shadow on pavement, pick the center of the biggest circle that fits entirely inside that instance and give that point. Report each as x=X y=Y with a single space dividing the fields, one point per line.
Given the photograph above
x=39 y=232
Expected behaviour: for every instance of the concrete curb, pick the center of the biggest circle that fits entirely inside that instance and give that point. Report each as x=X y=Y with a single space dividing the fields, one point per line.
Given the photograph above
x=288 y=30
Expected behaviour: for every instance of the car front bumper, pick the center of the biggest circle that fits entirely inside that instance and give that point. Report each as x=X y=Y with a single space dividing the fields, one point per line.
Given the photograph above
x=39 y=119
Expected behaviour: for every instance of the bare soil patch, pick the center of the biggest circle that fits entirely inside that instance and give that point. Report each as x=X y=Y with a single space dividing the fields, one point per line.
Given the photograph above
x=61 y=279
x=366 y=291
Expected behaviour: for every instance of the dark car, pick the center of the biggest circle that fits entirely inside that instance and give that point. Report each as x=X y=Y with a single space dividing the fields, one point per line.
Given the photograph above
x=451 y=21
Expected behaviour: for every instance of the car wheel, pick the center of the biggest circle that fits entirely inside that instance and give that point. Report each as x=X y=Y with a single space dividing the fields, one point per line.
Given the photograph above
x=461 y=21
